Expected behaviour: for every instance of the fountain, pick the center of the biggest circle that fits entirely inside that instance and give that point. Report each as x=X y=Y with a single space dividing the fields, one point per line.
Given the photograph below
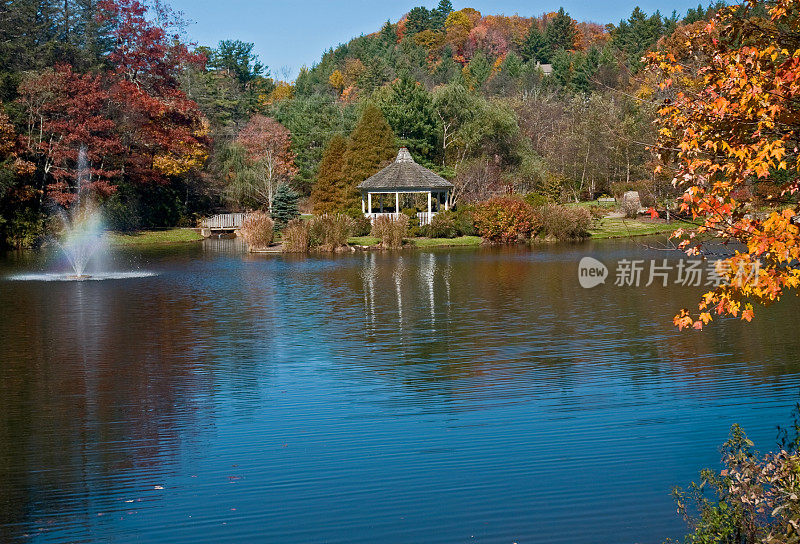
x=83 y=235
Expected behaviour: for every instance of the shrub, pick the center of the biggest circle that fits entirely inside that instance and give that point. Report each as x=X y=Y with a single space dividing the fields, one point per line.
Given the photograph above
x=753 y=499
x=257 y=230
x=442 y=225
x=359 y=224
x=120 y=214
x=329 y=232
x=504 y=219
x=295 y=236
x=26 y=229
x=390 y=230
x=465 y=221
x=416 y=232
x=564 y=222
x=536 y=199
x=413 y=220
x=598 y=211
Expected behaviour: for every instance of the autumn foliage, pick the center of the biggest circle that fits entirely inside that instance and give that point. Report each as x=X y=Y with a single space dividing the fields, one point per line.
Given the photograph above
x=732 y=126
x=504 y=219
x=133 y=121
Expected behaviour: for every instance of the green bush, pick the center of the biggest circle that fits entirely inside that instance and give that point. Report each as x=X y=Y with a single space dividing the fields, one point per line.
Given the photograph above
x=296 y=237
x=390 y=230
x=536 y=199
x=563 y=222
x=752 y=500
x=505 y=220
x=413 y=219
x=442 y=225
x=121 y=215
x=465 y=220
x=25 y=229
x=257 y=230
x=360 y=225
x=329 y=232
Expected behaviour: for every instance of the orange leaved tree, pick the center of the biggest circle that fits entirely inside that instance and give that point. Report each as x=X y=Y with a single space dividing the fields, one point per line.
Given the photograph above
x=732 y=128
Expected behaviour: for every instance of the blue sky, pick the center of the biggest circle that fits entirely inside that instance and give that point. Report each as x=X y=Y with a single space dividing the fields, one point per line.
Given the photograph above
x=288 y=35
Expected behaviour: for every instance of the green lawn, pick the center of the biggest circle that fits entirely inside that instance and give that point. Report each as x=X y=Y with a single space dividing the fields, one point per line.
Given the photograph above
x=461 y=241
x=590 y=203
x=609 y=227
x=363 y=241
x=153 y=237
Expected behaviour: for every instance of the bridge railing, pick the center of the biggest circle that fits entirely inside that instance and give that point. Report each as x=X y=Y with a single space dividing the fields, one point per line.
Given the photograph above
x=224 y=221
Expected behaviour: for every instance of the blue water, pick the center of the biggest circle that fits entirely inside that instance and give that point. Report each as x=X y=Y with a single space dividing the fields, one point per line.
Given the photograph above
x=470 y=395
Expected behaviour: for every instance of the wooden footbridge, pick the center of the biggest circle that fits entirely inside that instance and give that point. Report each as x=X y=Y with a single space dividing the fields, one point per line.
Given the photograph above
x=222 y=223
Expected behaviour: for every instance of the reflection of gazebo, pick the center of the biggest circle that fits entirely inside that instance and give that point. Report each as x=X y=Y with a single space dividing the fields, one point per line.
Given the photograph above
x=405 y=176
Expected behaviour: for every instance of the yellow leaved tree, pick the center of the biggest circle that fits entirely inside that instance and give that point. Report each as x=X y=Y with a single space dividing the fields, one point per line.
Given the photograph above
x=732 y=127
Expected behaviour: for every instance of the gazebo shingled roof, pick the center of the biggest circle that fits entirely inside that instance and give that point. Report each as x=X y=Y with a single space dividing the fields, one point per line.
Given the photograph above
x=404 y=175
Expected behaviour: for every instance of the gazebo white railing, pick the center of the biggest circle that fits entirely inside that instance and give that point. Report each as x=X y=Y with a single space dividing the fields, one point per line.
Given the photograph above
x=423 y=217
x=404 y=176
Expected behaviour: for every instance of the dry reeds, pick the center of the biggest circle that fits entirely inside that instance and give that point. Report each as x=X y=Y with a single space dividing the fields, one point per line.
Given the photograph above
x=296 y=237
x=390 y=230
x=329 y=232
x=257 y=230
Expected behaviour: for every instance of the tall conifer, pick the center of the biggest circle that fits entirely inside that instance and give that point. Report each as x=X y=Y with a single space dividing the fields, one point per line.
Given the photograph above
x=330 y=189
x=371 y=146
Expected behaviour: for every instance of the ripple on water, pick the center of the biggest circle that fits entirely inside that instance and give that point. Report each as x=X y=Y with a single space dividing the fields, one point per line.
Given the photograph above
x=453 y=396
x=98 y=276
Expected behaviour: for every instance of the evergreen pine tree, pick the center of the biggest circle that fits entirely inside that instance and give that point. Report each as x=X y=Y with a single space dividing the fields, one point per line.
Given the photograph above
x=284 y=206
x=561 y=32
x=439 y=14
x=372 y=144
x=535 y=47
x=408 y=109
x=330 y=190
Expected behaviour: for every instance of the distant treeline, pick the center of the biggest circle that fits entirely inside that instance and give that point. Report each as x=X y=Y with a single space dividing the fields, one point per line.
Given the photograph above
x=497 y=104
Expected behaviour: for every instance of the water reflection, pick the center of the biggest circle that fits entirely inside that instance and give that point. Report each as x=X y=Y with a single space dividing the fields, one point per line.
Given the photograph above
x=414 y=396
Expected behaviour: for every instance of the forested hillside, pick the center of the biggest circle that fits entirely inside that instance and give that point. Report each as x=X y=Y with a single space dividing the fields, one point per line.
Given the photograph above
x=170 y=130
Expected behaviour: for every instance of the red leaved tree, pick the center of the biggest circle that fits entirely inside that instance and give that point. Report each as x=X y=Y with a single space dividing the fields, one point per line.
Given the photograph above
x=154 y=117
x=65 y=113
x=268 y=145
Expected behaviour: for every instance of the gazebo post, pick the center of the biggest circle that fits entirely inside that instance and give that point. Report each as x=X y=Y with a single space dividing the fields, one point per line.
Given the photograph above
x=396 y=203
x=363 y=204
x=446 y=200
x=369 y=203
x=429 y=208
x=380 y=198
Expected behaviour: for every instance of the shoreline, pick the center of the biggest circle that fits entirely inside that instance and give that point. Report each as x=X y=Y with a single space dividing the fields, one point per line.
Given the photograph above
x=608 y=228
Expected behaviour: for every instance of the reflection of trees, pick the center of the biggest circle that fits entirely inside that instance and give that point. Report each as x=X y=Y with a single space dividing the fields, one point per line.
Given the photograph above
x=485 y=316
x=102 y=384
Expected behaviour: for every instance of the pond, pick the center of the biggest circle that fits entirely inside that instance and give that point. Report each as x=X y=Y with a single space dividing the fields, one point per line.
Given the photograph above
x=470 y=395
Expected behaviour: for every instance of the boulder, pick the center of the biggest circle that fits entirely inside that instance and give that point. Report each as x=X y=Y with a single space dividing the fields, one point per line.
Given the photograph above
x=631 y=203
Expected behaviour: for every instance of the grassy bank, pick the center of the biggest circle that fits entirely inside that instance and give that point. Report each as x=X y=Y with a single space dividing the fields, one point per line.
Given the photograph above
x=461 y=241
x=153 y=237
x=363 y=241
x=606 y=228
x=612 y=227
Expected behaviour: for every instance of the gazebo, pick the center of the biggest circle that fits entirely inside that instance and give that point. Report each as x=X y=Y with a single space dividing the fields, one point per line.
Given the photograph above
x=404 y=176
